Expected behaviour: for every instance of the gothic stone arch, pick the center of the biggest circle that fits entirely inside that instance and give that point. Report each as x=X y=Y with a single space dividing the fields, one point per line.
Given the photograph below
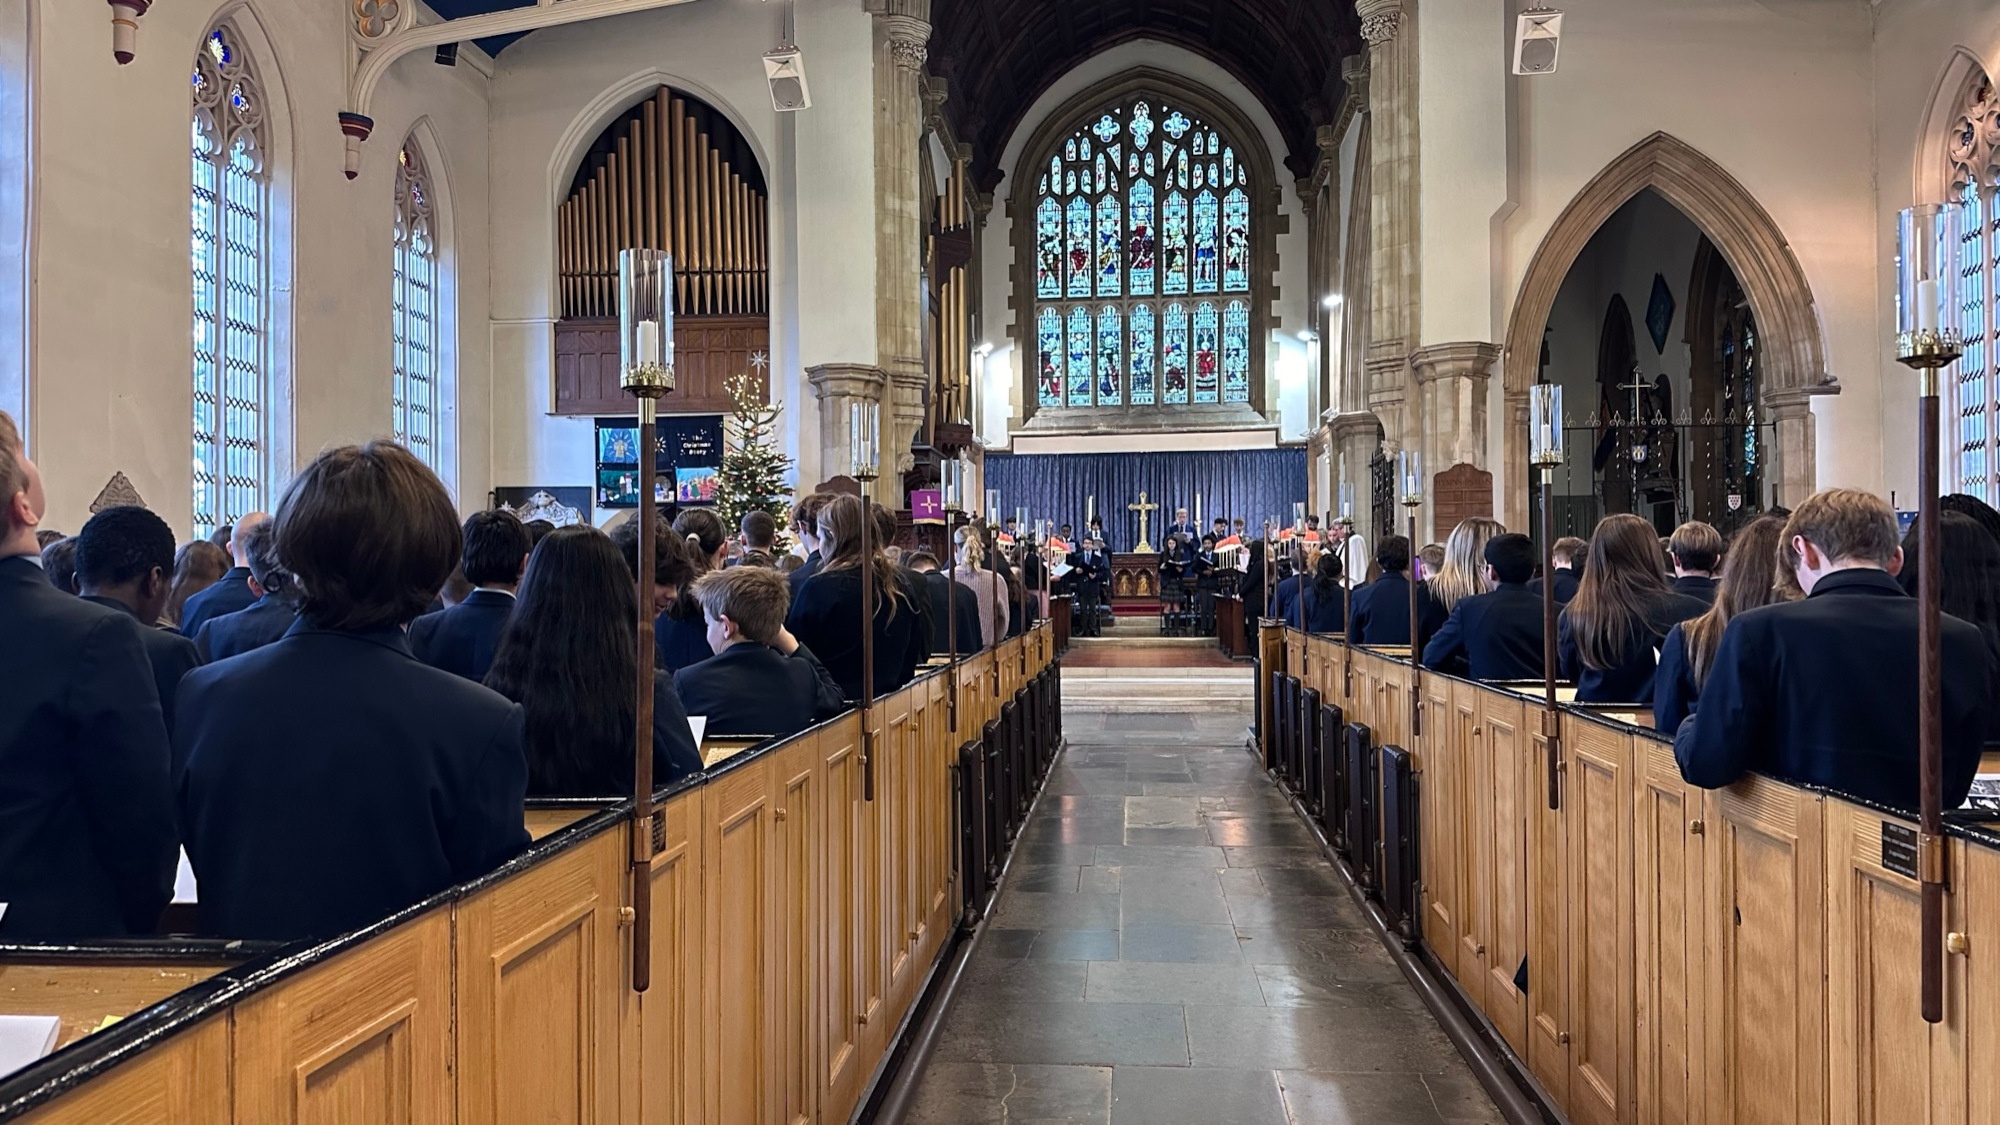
x=1794 y=355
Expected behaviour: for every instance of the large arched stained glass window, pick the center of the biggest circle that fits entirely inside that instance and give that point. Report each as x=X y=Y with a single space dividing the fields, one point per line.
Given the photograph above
x=1973 y=149
x=231 y=222
x=414 y=310
x=1142 y=263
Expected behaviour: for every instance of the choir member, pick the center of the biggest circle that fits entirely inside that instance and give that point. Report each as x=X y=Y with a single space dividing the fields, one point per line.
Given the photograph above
x=1464 y=573
x=264 y=620
x=826 y=612
x=1608 y=633
x=462 y=640
x=1565 y=556
x=761 y=681
x=1496 y=635
x=124 y=557
x=1749 y=579
x=232 y=591
x=87 y=842
x=197 y=566
x=680 y=633
x=964 y=615
x=1090 y=574
x=1814 y=692
x=1381 y=609
x=989 y=590
x=331 y=779
x=805 y=525
x=1694 y=549
x=569 y=657
x=1183 y=527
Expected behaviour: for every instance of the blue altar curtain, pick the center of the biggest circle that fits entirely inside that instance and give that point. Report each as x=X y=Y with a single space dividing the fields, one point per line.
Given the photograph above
x=1255 y=484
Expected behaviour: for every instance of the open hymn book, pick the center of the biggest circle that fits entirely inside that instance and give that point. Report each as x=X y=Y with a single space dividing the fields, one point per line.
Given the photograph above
x=24 y=1039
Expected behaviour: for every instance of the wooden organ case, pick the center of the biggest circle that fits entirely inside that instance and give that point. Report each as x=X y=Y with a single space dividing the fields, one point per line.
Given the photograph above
x=669 y=174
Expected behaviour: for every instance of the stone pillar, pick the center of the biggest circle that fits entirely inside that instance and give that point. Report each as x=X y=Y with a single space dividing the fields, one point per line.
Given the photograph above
x=1795 y=466
x=836 y=386
x=902 y=31
x=1389 y=28
x=1354 y=444
x=1451 y=404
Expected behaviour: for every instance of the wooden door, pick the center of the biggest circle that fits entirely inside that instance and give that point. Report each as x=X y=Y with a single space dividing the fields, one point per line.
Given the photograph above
x=541 y=976
x=1766 y=1002
x=1669 y=900
x=1598 y=852
x=670 y=1041
x=740 y=945
x=1885 y=1065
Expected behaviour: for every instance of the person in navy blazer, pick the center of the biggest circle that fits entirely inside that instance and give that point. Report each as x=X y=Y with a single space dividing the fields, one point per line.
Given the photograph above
x=805 y=524
x=232 y=591
x=1318 y=605
x=461 y=640
x=1381 y=610
x=761 y=681
x=1608 y=634
x=1751 y=577
x=570 y=656
x=267 y=618
x=1696 y=550
x=1496 y=635
x=1824 y=691
x=680 y=633
x=947 y=622
x=1567 y=555
x=87 y=841
x=125 y=561
x=332 y=779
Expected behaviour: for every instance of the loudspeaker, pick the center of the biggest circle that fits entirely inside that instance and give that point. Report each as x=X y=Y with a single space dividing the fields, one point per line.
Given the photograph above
x=447 y=54
x=787 y=73
x=1537 y=37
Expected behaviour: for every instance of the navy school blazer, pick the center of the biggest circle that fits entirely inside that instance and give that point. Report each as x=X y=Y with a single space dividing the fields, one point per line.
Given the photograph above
x=246 y=630
x=87 y=840
x=1700 y=587
x=1492 y=636
x=170 y=654
x=331 y=779
x=1674 y=690
x=1630 y=678
x=1566 y=584
x=826 y=617
x=753 y=689
x=230 y=593
x=1824 y=692
x=1381 y=612
x=462 y=639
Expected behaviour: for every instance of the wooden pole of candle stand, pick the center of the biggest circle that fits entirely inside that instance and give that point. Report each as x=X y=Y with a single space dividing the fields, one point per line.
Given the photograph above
x=1416 y=637
x=1551 y=711
x=951 y=617
x=867 y=641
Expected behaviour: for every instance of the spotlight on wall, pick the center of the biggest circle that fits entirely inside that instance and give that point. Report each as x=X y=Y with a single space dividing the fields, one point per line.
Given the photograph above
x=1332 y=300
x=447 y=54
x=1308 y=335
x=1537 y=39
x=983 y=350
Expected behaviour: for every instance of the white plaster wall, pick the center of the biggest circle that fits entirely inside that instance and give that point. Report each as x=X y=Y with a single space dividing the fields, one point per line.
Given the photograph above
x=1290 y=308
x=108 y=384
x=1462 y=64
x=1913 y=52
x=554 y=92
x=1778 y=92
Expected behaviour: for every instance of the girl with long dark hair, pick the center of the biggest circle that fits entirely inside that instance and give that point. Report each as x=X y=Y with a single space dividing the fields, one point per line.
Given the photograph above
x=1621 y=614
x=826 y=613
x=1321 y=605
x=681 y=633
x=1750 y=578
x=570 y=657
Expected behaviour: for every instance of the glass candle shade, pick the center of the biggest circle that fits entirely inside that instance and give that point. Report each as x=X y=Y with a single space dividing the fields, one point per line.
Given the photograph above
x=1410 y=471
x=864 y=440
x=645 y=323
x=1545 y=436
x=951 y=483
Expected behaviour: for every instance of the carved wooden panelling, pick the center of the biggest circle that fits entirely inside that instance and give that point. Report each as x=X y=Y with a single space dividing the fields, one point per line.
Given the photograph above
x=708 y=352
x=1461 y=492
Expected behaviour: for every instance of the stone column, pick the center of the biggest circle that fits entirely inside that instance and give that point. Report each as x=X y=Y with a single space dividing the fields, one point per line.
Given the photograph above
x=1354 y=445
x=836 y=386
x=1795 y=467
x=1451 y=406
x=902 y=32
x=1389 y=28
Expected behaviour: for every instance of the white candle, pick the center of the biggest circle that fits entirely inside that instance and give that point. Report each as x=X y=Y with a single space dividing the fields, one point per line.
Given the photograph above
x=646 y=348
x=1197 y=513
x=1926 y=312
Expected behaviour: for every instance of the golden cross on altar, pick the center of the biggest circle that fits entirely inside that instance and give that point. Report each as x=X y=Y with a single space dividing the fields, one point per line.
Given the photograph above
x=1143 y=508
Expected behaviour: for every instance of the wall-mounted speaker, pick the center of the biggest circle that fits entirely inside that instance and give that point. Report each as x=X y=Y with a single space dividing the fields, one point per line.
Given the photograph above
x=1537 y=38
x=786 y=71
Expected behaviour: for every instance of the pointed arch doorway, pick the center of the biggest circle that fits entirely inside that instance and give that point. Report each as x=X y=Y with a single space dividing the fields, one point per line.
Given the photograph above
x=1790 y=352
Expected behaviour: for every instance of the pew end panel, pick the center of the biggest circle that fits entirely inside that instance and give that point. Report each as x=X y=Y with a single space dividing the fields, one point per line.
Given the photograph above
x=1671 y=905
x=1598 y=892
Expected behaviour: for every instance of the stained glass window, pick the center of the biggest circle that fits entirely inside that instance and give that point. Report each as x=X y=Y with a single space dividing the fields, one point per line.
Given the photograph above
x=1049 y=353
x=1144 y=200
x=1975 y=175
x=414 y=311
x=229 y=222
x=1236 y=352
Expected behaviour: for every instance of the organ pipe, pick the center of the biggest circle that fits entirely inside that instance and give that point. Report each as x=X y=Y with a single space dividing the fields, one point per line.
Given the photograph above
x=670 y=175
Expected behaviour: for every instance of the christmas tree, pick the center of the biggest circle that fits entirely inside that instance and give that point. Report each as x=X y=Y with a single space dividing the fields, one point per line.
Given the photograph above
x=752 y=477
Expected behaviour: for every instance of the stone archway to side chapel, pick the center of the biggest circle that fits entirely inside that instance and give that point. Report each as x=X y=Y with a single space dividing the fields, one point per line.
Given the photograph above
x=1793 y=355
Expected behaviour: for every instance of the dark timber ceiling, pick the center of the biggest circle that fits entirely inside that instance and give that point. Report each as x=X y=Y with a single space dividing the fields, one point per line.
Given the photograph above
x=1000 y=55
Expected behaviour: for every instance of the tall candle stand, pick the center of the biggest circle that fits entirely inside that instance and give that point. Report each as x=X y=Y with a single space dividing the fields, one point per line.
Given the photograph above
x=1926 y=346
x=1410 y=466
x=1347 y=580
x=864 y=448
x=1545 y=452
x=953 y=485
x=645 y=371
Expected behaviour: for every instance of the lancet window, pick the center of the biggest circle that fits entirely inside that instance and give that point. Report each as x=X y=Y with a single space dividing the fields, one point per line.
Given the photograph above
x=1974 y=152
x=414 y=310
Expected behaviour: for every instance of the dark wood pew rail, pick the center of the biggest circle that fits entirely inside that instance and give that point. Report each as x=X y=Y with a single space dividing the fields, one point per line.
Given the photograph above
x=798 y=925
x=1740 y=955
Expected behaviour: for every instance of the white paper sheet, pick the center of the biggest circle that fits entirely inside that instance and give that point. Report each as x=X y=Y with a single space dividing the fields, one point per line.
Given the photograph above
x=24 y=1039
x=184 y=888
x=699 y=725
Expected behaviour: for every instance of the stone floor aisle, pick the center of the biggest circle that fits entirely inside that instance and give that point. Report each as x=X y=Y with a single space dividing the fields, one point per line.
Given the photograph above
x=1172 y=949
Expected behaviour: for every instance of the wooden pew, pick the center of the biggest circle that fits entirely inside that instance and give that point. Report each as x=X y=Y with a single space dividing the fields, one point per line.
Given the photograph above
x=795 y=924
